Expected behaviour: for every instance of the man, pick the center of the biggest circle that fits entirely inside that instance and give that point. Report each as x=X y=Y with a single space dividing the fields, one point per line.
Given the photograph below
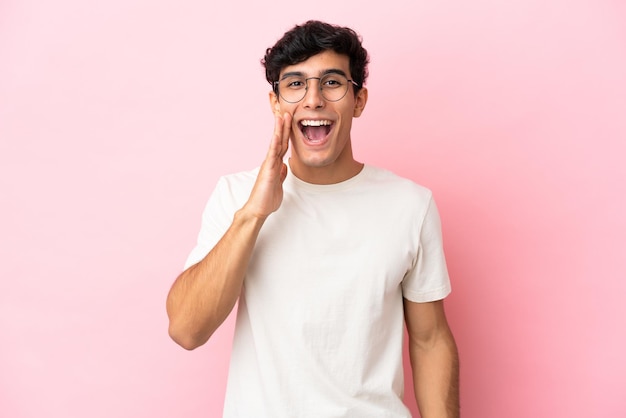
x=325 y=255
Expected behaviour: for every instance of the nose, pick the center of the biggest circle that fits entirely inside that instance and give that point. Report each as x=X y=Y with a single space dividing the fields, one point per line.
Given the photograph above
x=313 y=98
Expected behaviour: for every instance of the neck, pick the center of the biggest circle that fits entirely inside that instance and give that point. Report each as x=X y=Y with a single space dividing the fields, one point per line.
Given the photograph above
x=327 y=174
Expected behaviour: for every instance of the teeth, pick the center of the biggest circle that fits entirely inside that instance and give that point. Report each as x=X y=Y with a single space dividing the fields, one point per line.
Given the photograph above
x=316 y=123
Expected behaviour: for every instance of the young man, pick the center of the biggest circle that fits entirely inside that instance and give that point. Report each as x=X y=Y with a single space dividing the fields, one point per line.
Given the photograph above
x=325 y=255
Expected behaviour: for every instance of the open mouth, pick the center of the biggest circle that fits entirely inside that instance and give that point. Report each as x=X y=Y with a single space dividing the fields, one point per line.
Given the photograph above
x=315 y=130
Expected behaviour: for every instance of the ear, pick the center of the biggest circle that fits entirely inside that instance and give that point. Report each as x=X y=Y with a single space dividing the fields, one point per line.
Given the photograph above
x=274 y=103
x=359 y=102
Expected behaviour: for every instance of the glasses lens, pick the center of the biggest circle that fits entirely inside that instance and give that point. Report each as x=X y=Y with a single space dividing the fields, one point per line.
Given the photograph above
x=333 y=87
x=292 y=89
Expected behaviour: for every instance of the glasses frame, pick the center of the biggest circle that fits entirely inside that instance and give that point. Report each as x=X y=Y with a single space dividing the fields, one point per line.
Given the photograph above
x=306 y=88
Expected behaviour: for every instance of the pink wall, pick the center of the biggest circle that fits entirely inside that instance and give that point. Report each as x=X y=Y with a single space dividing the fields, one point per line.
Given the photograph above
x=117 y=117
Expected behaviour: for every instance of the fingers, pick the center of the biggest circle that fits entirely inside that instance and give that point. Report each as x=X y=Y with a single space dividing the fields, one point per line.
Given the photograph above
x=280 y=138
x=286 y=130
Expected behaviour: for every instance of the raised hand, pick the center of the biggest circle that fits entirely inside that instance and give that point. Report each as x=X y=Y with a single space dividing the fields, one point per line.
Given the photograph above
x=267 y=193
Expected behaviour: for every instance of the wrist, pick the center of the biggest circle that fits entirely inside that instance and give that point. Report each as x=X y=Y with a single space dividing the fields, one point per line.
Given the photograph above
x=247 y=216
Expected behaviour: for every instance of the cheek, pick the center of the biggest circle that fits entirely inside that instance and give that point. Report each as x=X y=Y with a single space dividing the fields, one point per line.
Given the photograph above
x=346 y=123
x=295 y=131
x=281 y=108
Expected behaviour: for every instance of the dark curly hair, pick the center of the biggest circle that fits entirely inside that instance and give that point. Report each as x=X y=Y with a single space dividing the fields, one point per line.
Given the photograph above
x=303 y=41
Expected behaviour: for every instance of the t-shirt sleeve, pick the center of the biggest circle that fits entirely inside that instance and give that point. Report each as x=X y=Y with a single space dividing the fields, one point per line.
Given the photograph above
x=215 y=222
x=428 y=279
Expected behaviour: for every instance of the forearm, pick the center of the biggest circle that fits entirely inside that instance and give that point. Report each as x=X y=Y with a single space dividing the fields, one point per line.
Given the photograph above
x=436 y=376
x=203 y=296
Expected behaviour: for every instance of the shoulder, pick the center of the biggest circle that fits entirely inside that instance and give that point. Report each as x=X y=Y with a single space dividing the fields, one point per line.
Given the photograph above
x=241 y=177
x=390 y=183
x=237 y=182
x=233 y=189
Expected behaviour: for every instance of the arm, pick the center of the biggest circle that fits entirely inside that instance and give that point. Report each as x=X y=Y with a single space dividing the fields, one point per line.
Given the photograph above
x=434 y=359
x=203 y=296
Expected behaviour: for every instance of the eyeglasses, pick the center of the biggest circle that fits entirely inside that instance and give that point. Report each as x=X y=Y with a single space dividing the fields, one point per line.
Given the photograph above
x=293 y=88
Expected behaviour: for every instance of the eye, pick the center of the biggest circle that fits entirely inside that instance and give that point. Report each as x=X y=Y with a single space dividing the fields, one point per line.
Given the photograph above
x=293 y=83
x=332 y=82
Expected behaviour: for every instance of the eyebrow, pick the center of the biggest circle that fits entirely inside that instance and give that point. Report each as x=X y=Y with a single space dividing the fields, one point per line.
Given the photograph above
x=323 y=73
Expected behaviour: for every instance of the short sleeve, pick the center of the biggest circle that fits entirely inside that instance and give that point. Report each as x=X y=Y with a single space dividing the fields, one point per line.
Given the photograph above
x=216 y=219
x=428 y=280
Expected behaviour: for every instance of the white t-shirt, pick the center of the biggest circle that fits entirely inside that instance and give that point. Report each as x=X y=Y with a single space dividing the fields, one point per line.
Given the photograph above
x=320 y=320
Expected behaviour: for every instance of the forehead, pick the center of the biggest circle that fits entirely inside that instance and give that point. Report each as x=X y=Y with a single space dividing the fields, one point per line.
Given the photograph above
x=319 y=64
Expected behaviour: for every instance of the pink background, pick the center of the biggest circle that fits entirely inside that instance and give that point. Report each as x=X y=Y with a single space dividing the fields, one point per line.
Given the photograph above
x=116 y=119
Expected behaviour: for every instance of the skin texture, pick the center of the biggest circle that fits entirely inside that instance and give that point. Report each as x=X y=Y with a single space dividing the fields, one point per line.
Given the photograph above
x=331 y=162
x=202 y=296
x=434 y=359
